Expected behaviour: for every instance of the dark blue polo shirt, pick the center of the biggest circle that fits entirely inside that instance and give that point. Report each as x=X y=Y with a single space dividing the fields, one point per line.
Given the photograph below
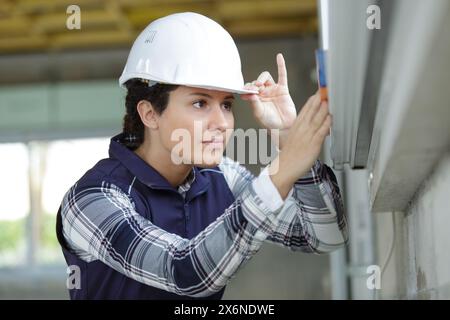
x=190 y=213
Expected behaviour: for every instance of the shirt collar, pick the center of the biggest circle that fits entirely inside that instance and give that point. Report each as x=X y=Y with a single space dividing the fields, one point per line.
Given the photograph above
x=186 y=185
x=148 y=175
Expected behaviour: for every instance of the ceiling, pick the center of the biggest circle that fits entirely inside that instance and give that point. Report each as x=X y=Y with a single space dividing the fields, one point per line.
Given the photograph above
x=40 y=25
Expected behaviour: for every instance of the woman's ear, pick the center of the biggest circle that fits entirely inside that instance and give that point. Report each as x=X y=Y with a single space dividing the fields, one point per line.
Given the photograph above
x=148 y=115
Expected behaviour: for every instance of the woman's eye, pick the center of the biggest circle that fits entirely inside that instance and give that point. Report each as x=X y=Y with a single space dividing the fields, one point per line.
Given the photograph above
x=228 y=106
x=199 y=104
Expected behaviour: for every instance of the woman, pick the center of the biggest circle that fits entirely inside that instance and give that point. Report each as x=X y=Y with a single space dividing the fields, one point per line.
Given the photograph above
x=156 y=221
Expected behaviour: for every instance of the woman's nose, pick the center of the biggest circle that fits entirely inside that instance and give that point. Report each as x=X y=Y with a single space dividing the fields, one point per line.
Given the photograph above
x=218 y=119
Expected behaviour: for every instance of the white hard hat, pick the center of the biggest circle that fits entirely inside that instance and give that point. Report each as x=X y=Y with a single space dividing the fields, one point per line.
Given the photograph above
x=186 y=49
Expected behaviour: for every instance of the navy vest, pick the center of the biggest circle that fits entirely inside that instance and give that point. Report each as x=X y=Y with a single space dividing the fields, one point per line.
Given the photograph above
x=207 y=198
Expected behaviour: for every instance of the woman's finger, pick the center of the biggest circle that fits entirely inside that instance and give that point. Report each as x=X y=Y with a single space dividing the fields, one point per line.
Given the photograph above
x=249 y=96
x=324 y=130
x=264 y=77
x=305 y=107
x=282 y=72
x=251 y=86
x=312 y=107
x=321 y=115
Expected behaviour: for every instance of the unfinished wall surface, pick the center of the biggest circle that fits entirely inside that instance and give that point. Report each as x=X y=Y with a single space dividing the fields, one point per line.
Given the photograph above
x=420 y=265
x=409 y=162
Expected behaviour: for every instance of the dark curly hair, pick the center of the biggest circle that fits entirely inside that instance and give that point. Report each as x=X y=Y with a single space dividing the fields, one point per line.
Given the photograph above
x=137 y=90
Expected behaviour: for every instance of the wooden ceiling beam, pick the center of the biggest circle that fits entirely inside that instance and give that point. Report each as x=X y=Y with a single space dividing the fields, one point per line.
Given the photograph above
x=41 y=24
x=56 y=22
x=92 y=39
x=243 y=9
x=272 y=27
x=23 y=43
x=15 y=26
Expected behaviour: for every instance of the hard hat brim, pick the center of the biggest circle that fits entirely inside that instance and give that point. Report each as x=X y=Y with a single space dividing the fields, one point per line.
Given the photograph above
x=231 y=90
x=209 y=87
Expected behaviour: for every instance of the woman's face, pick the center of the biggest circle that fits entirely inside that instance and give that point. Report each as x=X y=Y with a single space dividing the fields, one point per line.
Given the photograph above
x=196 y=125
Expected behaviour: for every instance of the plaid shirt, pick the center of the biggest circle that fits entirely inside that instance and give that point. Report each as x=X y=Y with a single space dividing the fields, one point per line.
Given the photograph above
x=100 y=222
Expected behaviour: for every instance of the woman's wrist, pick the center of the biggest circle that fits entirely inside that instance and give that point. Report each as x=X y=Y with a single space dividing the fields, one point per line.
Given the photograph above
x=280 y=178
x=282 y=138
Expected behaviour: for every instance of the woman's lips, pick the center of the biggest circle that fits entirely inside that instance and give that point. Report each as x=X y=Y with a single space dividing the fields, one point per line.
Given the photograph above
x=216 y=143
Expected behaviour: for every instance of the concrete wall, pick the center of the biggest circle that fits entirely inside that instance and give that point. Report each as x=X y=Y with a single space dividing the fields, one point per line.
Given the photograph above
x=408 y=171
x=420 y=265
